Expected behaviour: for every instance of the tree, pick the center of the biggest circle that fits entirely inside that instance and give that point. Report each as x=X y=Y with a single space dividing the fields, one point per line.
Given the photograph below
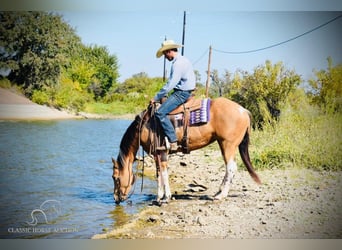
x=94 y=69
x=34 y=46
x=326 y=88
x=264 y=91
x=220 y=86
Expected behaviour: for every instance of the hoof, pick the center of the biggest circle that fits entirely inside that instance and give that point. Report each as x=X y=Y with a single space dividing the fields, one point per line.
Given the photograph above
x=219 y=196
x=160 y=202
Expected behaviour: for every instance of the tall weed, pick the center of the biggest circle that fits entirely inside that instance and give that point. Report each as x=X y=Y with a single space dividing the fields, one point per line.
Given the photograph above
x=303 y=137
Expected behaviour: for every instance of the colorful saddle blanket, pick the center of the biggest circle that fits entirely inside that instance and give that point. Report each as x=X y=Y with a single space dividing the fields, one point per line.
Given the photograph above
x=199 y=113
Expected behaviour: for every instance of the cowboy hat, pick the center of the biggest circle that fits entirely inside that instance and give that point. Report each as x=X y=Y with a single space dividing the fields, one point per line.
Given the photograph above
x=166 y=45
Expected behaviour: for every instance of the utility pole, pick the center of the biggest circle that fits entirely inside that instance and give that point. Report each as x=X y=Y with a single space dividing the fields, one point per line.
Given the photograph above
x=183 y=38
x=164 y=70
x=207 y=85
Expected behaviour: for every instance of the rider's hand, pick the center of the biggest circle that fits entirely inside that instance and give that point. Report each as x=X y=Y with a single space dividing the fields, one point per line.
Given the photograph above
x=152 y=101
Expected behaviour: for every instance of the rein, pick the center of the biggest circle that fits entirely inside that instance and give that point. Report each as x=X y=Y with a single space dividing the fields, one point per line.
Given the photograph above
x=141 y=123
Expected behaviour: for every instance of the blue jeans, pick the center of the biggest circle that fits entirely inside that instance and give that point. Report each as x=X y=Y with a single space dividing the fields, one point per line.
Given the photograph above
x=177 y=98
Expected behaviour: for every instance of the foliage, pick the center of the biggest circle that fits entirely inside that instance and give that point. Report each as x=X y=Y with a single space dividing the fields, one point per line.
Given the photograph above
x=94 y=69
x=133 y=95
x=67 y=94
x=5 y=83
x=45 y=56
x=220 y=86
x=264 y=91
x=326 y=88
x=303 y=137
x=34 y=46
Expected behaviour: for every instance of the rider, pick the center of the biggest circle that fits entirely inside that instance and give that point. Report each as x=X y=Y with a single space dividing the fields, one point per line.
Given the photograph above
x=182 y=81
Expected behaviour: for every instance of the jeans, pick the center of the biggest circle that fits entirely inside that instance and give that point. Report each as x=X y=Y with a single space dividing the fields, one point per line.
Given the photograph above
x=177 y=98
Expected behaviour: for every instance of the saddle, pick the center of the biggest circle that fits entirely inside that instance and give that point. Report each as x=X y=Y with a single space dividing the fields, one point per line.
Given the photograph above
x=191 y=104
x=193 y=112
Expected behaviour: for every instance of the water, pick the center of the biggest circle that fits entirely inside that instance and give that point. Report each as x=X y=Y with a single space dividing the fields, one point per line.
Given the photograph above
x=56 y=179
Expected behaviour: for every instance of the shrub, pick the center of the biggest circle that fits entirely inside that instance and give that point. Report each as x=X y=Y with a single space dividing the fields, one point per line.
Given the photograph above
x=265 y=91
x=303 y=137
x=40 y=97
x=326 y=89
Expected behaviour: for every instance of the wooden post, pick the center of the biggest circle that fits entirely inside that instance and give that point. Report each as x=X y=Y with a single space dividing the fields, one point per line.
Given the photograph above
x=207 y=85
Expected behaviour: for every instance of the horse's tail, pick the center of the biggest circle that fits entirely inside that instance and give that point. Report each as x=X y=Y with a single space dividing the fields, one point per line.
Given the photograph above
x=244 y=153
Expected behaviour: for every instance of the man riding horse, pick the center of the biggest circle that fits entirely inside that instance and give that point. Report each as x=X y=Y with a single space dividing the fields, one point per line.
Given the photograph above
x=182 y=81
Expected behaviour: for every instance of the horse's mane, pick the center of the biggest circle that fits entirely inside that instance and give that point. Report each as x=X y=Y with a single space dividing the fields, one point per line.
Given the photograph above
x=129 y=141
x=129 y=136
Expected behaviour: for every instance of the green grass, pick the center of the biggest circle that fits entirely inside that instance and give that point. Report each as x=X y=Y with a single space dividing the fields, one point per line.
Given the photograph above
x=302 y=138
x=114 y=108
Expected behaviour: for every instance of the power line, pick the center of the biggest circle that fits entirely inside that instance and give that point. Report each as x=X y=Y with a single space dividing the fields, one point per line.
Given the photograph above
x=200 y=58
x=278 y=44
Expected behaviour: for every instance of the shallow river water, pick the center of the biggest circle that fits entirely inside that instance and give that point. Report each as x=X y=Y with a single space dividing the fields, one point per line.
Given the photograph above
x=56 y=179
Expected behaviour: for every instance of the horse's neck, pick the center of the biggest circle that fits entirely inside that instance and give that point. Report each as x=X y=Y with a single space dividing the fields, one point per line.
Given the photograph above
x=126 y=158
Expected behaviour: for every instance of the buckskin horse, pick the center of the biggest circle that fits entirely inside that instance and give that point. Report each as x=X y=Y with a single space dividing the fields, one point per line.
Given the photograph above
x=229 y=125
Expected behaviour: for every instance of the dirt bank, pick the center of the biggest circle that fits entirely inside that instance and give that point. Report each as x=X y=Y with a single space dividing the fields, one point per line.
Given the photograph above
x=291 y=203
x=16 y=107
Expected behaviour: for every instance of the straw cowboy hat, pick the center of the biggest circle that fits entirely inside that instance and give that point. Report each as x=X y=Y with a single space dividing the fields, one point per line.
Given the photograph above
x=166 y=45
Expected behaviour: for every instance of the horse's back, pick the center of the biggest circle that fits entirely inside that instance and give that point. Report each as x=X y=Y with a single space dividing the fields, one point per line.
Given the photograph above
x=228 y=117
x=226 y=108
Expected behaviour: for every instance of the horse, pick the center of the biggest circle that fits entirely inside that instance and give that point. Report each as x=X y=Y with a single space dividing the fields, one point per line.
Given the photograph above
x=229 y=125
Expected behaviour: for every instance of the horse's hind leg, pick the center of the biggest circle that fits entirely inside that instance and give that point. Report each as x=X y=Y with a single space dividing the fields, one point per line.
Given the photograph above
x=231 y=167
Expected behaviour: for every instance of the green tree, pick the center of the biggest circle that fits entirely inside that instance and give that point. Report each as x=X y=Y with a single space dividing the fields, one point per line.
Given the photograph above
x=94 y=69
x=326 y=88
x=34 y=46
x=264 y=91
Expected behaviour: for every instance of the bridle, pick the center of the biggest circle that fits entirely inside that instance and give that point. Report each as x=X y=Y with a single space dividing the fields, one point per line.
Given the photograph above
x=117 y=182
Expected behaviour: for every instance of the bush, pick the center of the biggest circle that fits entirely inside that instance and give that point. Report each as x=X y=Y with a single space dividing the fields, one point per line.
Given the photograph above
x=5 y=83
x=326 y=89
x=303 y=137
x=40 y=97
x=265 y=91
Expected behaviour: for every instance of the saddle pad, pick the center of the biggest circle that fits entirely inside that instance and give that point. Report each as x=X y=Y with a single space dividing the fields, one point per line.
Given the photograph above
x=201 y=115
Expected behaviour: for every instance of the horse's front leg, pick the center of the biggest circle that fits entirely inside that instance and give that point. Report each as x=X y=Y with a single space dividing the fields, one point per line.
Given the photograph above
x=164 y=192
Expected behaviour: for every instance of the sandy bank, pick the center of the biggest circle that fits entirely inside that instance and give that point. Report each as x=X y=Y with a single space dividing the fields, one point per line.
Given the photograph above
x=16 y=107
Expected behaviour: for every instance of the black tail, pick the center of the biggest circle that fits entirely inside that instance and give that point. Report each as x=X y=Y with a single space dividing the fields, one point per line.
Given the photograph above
x=244 y=153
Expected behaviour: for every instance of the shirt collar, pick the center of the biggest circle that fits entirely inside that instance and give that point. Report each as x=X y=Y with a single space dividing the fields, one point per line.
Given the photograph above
x=176 y=57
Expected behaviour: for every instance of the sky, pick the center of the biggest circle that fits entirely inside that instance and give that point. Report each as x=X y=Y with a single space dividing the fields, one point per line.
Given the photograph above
x=134 y=30
x=135 y=36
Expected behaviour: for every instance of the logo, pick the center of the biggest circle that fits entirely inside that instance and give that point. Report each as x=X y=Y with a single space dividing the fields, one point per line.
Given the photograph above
x=43 y=221
x=48 y=206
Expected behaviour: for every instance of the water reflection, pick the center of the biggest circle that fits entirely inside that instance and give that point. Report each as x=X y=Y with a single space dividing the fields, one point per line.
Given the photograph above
x=119 y=216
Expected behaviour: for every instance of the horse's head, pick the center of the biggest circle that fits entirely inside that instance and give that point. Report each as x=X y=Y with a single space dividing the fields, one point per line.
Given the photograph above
x=124 y=179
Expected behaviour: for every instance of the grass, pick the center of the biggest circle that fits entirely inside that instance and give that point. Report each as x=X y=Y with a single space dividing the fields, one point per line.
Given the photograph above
x=302 y=138
x=114 y=108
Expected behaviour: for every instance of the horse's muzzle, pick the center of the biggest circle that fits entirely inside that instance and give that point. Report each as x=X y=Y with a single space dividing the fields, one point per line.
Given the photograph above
x=119 y=198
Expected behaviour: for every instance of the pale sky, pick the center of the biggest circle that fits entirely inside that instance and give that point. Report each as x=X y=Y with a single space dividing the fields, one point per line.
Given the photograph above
x=135 y=36
x=133 y=30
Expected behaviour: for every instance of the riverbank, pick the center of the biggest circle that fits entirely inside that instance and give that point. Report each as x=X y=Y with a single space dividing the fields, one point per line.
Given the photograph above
x=14 y=106
x=291 y=203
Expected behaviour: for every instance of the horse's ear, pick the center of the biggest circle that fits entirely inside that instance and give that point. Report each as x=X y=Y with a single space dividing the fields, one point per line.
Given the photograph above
x=113 y=160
